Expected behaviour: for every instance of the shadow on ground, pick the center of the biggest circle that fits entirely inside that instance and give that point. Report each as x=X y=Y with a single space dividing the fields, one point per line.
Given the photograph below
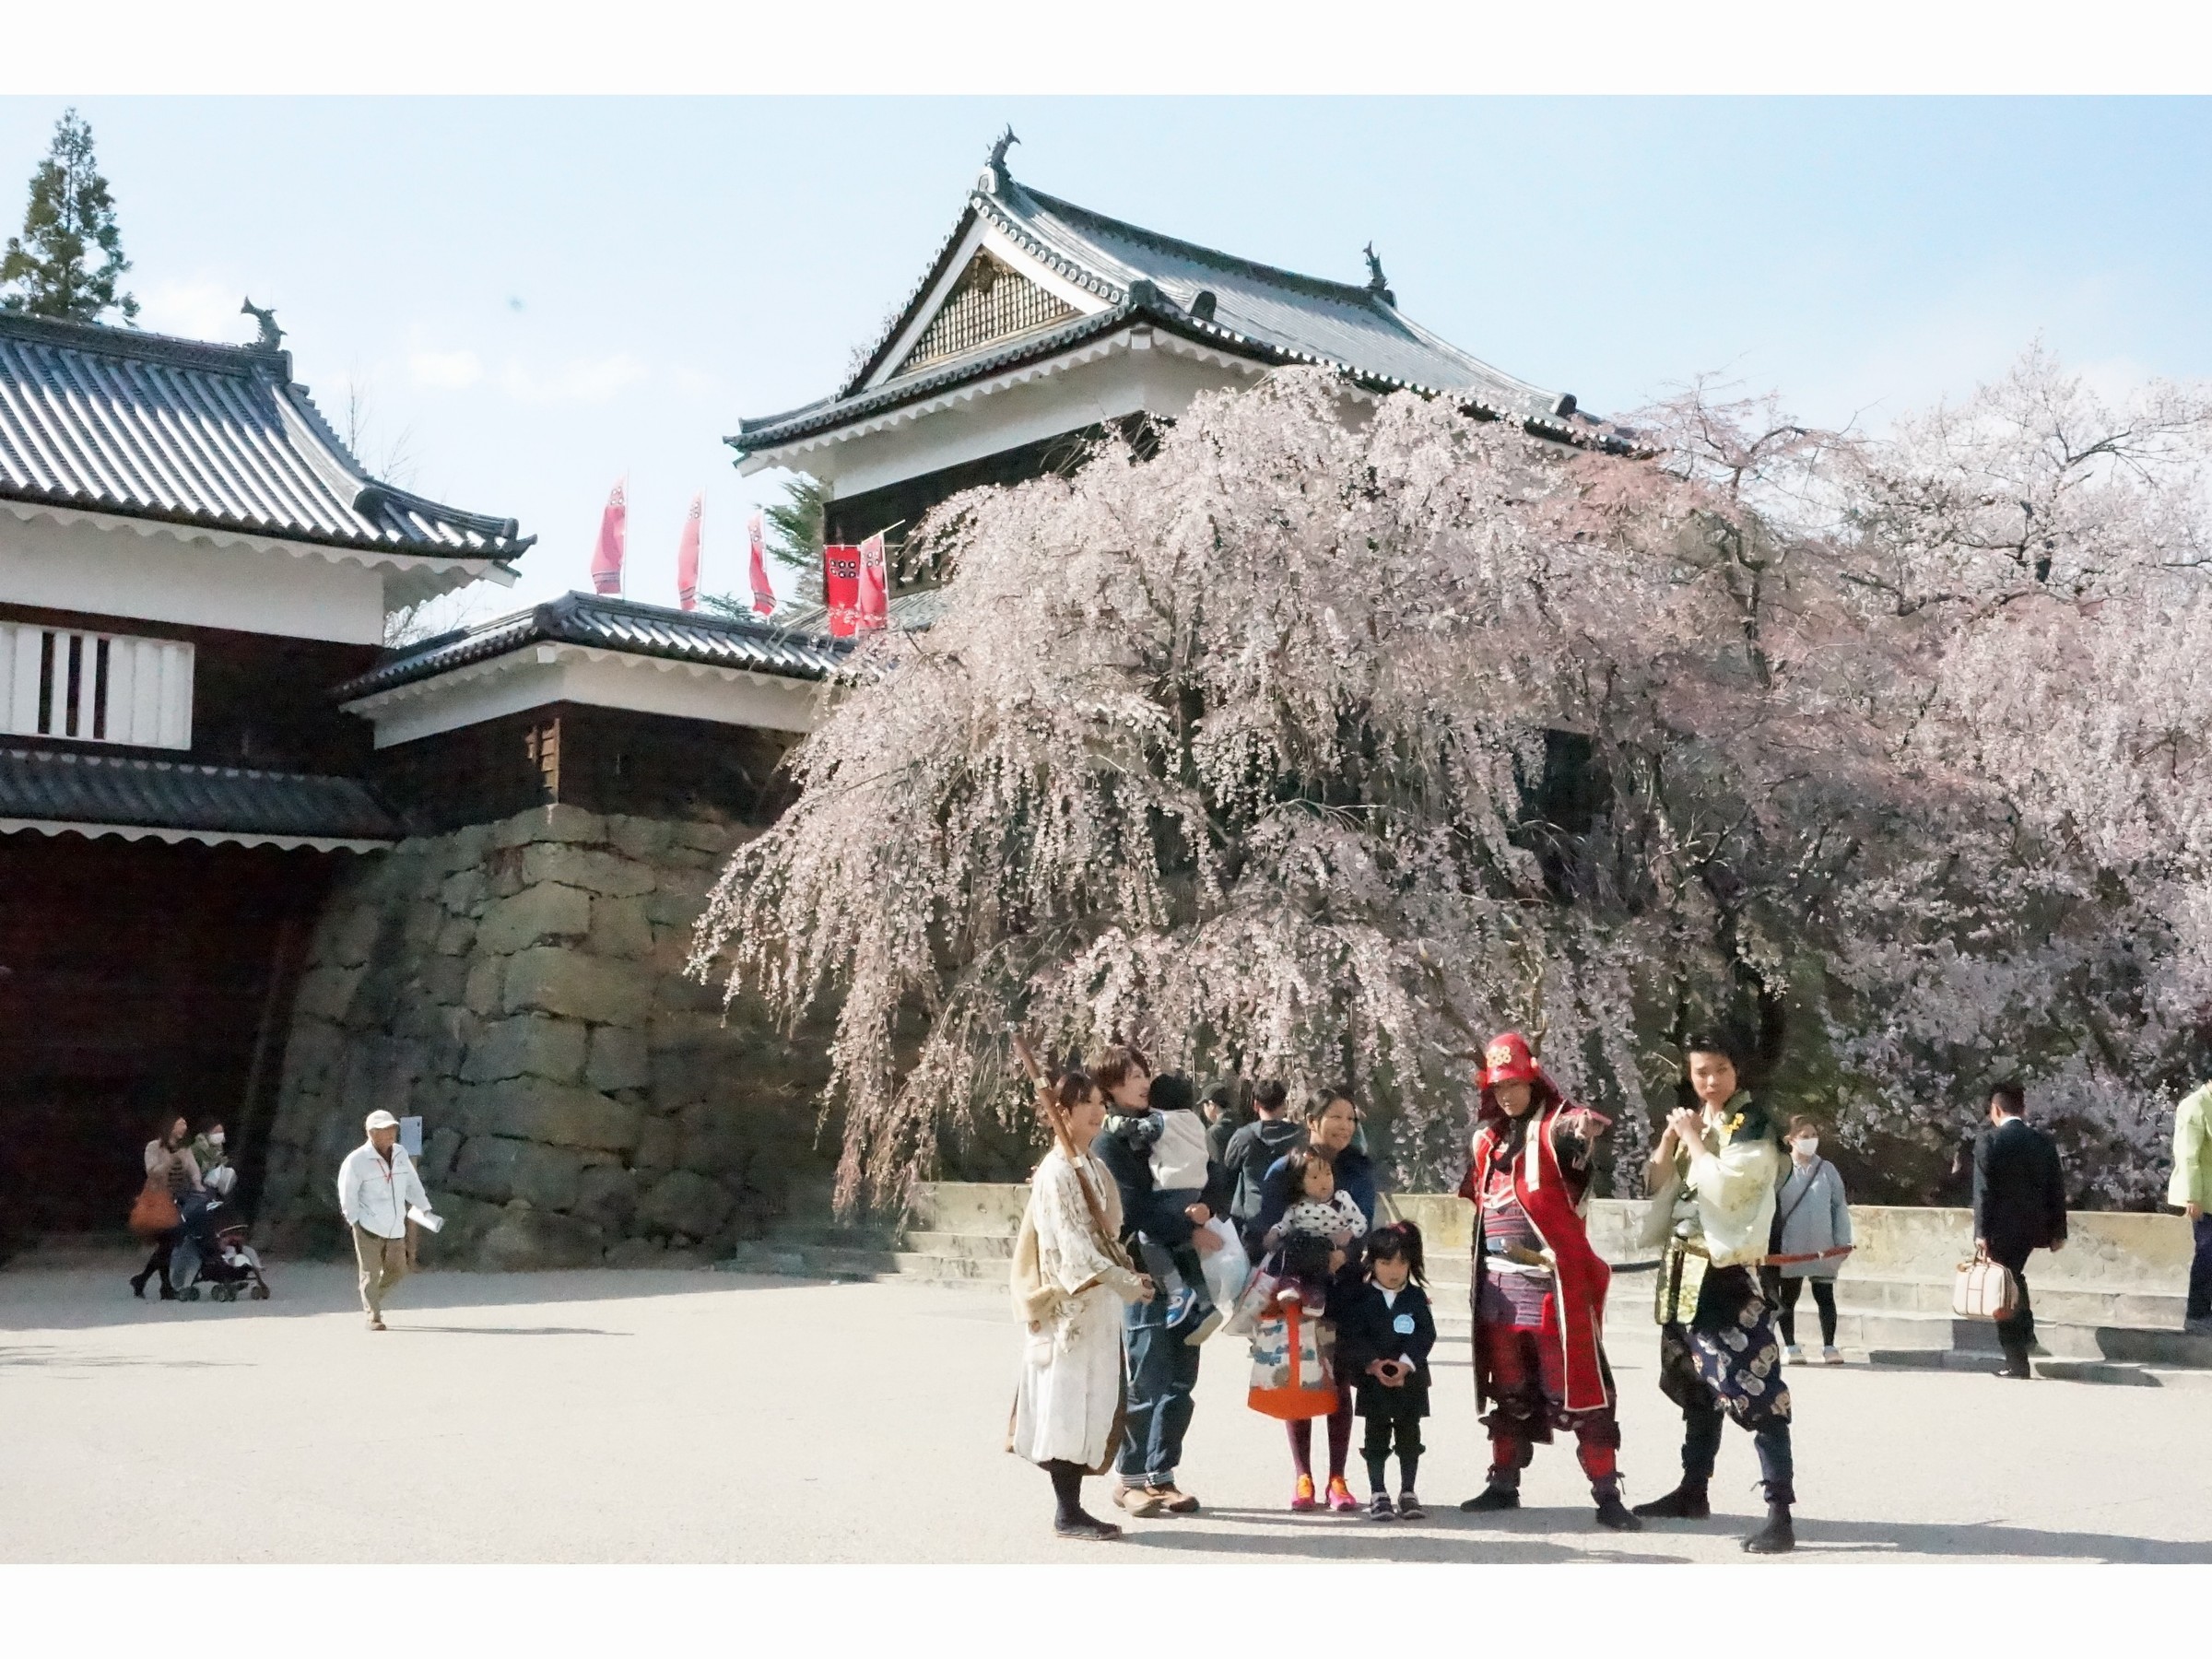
x=1540 y=1536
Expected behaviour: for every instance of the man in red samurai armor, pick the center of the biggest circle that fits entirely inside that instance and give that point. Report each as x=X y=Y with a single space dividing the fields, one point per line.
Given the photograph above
x=1539 y=1288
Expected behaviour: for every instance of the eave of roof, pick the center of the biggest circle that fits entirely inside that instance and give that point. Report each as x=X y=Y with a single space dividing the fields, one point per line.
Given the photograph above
x=595 y=622
x=198 y=434
x=130 y=795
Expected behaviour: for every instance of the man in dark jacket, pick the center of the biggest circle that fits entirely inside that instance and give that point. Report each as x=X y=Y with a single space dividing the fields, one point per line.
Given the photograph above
x=1253 y=1149
x=2020 y=1206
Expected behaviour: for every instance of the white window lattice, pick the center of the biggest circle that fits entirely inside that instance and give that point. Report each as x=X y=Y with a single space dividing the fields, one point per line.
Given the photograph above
x=95 y=687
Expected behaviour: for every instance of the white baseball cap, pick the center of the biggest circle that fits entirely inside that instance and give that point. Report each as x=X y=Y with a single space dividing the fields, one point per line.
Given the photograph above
x=381 y=1120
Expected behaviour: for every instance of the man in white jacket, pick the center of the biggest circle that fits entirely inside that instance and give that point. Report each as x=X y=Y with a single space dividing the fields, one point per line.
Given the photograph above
x=376 y=1184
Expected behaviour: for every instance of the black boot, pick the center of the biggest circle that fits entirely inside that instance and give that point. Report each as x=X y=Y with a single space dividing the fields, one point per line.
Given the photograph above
x=1685 y=1503
x=1777 y=1537
x=1613 y=1516
x=1492 y=1498
x=138 y=1285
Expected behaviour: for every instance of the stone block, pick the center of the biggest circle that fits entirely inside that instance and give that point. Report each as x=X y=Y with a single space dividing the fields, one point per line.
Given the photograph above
x=526 y=1240
x=555 y=824
x=618 y=1059
x=681 y=1076
x=312 y=1054
x=636 y=1253
x=379 y=1073
x=683 y=1202
x=593 y=869
x=553 y=981
x=445 y=980
x=530 y=1045
x=351 y=938
x=327 y=993
x=454 y=937
x=464 y=890
x=606 y=1196
x=537 y=914
x=674 y=908
x=717 y=1138
x=485 y=1167
x=462 y=849
x=554 y=1113
x=643 y=839
x=677 y=990
x=481 y=993
x=706 y=837
x=659 y=1141
x=440 y=1149
x=619 y=927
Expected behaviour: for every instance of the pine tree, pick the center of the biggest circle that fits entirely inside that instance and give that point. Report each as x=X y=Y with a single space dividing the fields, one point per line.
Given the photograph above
x=71 y=216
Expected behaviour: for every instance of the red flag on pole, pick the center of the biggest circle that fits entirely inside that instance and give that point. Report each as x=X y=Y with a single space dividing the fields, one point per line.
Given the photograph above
x=840 y=589
x=686 y=555
x=875 y=587
x=607 y=559
x=764 y=596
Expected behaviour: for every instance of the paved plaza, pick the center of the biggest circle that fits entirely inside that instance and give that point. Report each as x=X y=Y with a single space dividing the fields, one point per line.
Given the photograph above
x=705 y=1417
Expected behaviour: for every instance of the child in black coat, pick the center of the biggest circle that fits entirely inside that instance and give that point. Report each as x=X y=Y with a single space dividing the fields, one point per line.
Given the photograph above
x=1383 y=1336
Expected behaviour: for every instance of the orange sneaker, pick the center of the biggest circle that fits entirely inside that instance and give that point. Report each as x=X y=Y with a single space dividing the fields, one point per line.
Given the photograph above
x=1301 y=1495
x=1340 y=1496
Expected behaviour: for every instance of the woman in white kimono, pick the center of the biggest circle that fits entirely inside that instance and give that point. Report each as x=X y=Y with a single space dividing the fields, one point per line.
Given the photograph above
x=1070 y=1280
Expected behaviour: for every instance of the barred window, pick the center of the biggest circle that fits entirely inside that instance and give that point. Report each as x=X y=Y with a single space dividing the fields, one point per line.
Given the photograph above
x=989 y=303
x=95 y=687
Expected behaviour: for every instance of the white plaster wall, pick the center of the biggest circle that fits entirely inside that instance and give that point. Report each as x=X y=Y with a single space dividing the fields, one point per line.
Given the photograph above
x=157 y=578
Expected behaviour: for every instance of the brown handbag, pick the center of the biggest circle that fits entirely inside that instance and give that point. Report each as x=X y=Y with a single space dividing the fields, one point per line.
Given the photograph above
x=155 y=1212
x=1984 y=1289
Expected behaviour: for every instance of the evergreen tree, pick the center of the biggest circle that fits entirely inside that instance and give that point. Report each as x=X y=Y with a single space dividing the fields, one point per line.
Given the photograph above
x=47 y=270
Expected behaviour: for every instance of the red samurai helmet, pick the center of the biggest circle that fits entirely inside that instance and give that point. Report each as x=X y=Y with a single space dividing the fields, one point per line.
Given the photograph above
x=1506 y=1059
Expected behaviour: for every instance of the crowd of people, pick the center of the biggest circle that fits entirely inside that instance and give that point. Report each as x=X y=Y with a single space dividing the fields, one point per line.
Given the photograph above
x=1145 y=1187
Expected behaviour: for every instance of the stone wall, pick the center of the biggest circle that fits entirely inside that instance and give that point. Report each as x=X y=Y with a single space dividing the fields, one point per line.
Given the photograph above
x=520 y=986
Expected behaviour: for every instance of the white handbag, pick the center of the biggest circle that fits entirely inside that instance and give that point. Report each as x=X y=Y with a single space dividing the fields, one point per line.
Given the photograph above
x=1984 y=1289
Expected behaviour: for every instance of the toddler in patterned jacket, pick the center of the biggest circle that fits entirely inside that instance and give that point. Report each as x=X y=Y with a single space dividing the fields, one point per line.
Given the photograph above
x=1319 y=1221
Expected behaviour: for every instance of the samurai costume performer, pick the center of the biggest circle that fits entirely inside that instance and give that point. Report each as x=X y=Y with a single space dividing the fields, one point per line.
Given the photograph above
x=1720 y=1355
x=1539 y=1287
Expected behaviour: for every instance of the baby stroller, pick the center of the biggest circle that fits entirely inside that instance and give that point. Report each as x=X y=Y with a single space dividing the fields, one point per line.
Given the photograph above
x=214 y=1253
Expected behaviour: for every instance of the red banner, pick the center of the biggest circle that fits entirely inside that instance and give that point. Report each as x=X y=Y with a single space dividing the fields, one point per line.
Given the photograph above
x=686 y=555
x=875 y=585
x=840 y=589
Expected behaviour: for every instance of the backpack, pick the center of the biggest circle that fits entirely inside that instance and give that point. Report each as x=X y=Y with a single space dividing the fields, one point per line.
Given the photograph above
x=1268 y=1142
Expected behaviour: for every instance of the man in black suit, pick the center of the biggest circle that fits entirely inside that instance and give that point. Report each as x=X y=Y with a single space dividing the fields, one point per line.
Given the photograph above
x=2020 y=1206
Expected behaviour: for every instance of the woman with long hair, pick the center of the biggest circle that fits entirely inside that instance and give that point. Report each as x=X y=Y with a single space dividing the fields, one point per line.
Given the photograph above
x=1070 y=1280
x=170 y=1163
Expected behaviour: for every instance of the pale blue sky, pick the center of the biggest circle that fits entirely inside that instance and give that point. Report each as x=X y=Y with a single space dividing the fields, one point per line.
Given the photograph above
x=545 y=294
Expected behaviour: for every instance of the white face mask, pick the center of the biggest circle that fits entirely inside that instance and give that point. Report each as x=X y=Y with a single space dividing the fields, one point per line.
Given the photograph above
x=1807 y=1146
x=216 y=1139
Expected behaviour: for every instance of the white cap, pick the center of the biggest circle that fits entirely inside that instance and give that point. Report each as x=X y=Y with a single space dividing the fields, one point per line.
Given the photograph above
x=381 y=1120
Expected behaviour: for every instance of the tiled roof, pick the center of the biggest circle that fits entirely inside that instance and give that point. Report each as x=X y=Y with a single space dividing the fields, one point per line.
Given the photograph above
x=66 y=786
x=606 y=624
x=143 y=425
x=1258 y=311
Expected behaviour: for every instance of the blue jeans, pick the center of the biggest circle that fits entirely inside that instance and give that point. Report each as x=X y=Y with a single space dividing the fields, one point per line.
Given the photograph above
x=2200 y=1270
x=1163 y=1368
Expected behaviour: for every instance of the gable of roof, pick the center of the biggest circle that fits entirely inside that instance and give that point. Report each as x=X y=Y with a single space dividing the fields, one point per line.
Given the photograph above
x=185 y=432
x=607 y=624
x=1261 y=312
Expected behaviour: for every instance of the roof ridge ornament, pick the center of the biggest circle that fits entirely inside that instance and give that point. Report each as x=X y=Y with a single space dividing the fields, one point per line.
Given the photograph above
x=1378 y=284
x=995 y=175
x=272 y=337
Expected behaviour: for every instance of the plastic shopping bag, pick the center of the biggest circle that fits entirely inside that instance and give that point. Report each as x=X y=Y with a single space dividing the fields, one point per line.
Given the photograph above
x=1227 y=1268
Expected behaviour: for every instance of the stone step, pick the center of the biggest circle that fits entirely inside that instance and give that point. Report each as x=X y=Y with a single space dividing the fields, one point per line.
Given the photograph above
x=998 y=1247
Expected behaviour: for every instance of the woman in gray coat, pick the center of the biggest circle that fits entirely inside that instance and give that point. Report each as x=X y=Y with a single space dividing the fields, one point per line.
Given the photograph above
x=1810 y=1218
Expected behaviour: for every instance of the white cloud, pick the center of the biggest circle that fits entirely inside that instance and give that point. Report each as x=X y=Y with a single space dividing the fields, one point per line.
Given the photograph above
x=444 y=370
x=591 y=379
x=200 y=310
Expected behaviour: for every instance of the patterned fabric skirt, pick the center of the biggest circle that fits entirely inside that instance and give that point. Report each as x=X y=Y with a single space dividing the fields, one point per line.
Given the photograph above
x=1731 y=1364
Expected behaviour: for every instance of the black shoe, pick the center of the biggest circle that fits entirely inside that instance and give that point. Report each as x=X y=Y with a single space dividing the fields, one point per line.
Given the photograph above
x=1086 y=1527
x=1685 y=1503
x=168 y=1294
x=138 y=1285
x=1777 y=1537
x=1491 y=1497
x=1613 y=1516
x=2016 y=1366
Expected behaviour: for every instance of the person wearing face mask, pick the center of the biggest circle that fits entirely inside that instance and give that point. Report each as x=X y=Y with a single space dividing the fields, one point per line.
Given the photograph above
x=1812 y=1236
x=209 y=1150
